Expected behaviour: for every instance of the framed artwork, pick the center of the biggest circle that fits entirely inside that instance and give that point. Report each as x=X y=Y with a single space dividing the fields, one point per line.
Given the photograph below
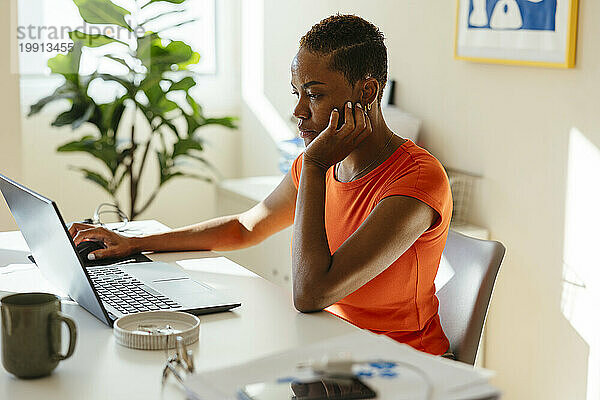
x=524 y=32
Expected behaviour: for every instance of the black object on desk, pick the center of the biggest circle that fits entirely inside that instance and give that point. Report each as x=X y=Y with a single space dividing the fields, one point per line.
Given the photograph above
x=133 y=258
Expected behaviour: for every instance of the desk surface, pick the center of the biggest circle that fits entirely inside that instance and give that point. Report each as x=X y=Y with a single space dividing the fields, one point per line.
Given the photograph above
x=266 y=323
x=101 y=369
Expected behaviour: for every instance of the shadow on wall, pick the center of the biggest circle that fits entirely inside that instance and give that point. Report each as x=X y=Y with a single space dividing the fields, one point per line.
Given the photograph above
x=581 y=272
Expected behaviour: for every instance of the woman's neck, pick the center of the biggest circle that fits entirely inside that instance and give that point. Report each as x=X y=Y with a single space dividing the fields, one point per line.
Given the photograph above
x=371 y=152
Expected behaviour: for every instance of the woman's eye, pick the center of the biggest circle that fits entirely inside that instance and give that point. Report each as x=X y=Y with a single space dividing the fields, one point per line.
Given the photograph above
x=313 y=96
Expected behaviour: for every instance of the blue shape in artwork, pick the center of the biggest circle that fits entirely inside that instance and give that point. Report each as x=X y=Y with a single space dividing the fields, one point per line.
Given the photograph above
x=388 y=374
x=537 y=15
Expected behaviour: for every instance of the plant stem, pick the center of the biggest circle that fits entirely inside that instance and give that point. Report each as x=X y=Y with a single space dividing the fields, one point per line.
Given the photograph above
x=132 y=179
x=150 y=200
x=141 y=169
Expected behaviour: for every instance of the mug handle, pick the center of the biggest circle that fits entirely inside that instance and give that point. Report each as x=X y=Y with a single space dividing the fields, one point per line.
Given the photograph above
x=72 y=335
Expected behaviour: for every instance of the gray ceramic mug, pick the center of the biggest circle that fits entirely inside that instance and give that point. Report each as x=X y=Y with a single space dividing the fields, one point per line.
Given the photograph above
x=31 y=334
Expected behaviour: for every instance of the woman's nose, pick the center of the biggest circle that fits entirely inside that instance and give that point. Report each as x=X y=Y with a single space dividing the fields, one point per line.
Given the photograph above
x=301 y=111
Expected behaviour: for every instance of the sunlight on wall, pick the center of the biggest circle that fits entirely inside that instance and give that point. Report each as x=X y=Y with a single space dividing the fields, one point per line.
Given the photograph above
x=253 y=71
x=581 y=270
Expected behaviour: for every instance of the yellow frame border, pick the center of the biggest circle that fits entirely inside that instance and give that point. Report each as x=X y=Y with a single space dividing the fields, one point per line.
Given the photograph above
x=570 y=51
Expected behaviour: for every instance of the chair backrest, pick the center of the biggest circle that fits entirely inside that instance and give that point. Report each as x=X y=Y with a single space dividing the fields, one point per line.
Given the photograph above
x=469 y=267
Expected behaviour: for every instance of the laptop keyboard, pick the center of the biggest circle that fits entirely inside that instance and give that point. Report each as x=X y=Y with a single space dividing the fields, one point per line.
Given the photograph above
x=127 y=294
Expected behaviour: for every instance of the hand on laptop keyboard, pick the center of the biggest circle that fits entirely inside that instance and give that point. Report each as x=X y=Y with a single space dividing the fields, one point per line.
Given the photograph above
x=117 y=246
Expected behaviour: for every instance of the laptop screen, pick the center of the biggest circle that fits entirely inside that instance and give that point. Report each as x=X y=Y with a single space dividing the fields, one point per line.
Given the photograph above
x=50 y=243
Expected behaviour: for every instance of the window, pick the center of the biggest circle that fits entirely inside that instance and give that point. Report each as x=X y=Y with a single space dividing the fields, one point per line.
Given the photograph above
x=43 y=27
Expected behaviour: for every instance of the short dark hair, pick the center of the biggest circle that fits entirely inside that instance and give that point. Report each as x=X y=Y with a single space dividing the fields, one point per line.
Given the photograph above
x=356 y=47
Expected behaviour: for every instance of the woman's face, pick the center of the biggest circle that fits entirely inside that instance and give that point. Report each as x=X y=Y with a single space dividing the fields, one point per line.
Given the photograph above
x=319 y=90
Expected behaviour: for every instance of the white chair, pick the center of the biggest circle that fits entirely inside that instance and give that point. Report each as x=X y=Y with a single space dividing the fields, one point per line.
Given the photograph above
x=469 y=267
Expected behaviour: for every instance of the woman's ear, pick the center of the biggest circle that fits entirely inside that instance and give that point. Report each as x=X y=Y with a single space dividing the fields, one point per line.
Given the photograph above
x=369 y=91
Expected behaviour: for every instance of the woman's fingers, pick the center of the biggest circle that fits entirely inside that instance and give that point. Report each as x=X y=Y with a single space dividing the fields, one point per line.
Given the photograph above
x=348 y=126
x=97 y=233
x=116 y=245
x=76 y=227
x=333 y=119
x=102 y=253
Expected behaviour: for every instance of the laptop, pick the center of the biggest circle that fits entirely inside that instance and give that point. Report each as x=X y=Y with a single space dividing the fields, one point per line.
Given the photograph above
x=106 y=291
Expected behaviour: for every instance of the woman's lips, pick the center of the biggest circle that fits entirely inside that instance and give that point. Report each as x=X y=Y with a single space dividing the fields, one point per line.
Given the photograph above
x=307 y=134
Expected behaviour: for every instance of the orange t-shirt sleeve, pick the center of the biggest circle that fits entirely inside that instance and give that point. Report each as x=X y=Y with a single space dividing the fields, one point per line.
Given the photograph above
x=297 y=170
x=427 y=182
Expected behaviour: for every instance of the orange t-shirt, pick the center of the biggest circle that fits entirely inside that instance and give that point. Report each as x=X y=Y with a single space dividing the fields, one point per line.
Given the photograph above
x=400 y=302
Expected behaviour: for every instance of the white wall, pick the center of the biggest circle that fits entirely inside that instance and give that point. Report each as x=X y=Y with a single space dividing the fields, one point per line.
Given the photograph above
x=509 y=124
x=182 y=200
x=10 y=132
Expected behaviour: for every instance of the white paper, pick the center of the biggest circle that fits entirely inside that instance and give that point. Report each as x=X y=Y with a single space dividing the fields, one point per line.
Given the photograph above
x=450 y=379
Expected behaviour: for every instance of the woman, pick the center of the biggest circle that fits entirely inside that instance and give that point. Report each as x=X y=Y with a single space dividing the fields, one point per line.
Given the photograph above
x=370 y=210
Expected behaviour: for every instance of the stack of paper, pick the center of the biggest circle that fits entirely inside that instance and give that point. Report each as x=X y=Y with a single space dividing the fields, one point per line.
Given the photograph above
x=414 y=375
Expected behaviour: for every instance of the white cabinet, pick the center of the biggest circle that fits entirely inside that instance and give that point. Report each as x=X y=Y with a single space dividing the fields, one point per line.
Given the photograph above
x=272 y=258
x=472 y=230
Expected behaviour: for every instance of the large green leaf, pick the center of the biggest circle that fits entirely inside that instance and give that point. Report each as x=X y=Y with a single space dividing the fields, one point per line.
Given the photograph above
x=194 y=59
x=158 y=58
x=67 y=65
x=195 y=176
x=228 y=122
x=184 y=84
x=169 y=124
x=119 y=60
x=77 y=115
x=112 y=113
x=129 y=86
x=92 y=40
x=144 y=48
x=102 y=12
x=166 y=1
x=178 y=53
x=184 y=145
x=158 y=102
x=67 y=90
x=85 y=117
x=103 y=148
x=196 y=108
x=194 y=120
x=166 y=177
x=192 y=124
x=176 y=25
x=151 y=80
x=160 y=15
x=97 y=178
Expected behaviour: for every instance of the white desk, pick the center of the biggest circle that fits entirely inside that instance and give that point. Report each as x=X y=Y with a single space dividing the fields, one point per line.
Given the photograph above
x=101 y=369
x=266 y=323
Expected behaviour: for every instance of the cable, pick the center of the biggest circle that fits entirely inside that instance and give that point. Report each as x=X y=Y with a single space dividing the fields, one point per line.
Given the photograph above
x=116 y=210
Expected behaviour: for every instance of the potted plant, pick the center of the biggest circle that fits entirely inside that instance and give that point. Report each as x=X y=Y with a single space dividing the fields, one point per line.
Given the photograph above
x=156 y=83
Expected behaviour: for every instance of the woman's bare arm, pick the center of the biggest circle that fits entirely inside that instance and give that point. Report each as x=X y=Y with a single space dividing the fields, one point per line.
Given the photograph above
x=223 y=233
x=320 y=278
